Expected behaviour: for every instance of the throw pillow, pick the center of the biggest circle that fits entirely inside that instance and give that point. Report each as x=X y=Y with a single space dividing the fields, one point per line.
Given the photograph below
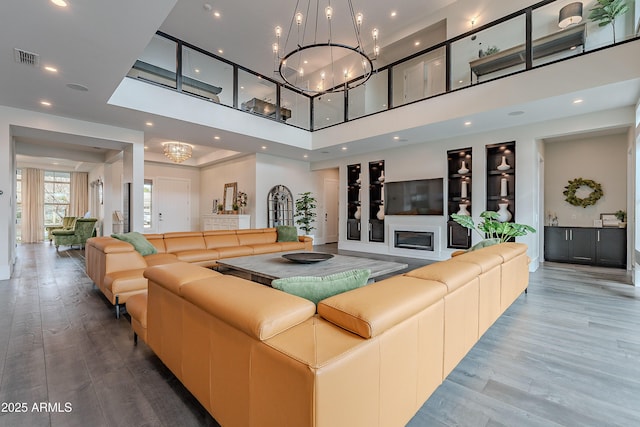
x=287 y=233
x=315 y=289
x=139 y=242
x=484 y=243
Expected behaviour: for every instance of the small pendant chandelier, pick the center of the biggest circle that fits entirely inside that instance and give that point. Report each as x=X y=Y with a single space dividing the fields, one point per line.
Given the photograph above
x=177 y=152
x=308 y=64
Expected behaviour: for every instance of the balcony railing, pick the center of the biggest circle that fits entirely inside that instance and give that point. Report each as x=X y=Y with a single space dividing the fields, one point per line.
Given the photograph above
x=522 y=41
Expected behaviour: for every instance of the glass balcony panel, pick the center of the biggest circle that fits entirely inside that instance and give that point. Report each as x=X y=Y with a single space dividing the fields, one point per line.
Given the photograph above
x=492 y=53
x=295 y=108
x=207 y=77
x=257 y=95
x=370 y=97
x=157 y=63
x=419 y=78
x=550 y=41
x=328 y=109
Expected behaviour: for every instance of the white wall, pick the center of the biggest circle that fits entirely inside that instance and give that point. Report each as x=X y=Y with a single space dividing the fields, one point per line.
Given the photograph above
x=602 y=159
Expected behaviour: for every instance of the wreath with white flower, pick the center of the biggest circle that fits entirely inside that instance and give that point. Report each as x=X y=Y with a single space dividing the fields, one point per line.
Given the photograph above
x=591 y=199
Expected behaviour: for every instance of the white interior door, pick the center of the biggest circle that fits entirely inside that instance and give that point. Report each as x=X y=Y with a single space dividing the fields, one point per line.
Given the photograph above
x=174 y=204
x=331 y=192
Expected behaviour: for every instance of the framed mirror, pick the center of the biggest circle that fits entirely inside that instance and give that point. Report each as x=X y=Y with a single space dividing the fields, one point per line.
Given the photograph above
x=230 y=192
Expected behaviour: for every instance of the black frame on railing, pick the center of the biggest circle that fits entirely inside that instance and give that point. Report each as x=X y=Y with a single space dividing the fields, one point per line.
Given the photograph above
x=447 y=45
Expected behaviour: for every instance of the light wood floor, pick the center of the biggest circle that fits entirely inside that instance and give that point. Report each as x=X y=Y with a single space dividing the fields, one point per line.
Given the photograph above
x=566 y=354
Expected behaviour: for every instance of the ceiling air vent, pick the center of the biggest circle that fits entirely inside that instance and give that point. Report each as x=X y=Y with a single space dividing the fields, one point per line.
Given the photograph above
x=24 y=57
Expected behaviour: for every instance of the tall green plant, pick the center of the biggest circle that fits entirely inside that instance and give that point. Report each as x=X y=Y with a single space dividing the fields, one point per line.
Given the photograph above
x=306 y=212
x=606 y=12
x=491 y=228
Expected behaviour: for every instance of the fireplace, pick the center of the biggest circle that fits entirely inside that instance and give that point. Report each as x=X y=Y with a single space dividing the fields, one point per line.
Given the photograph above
x=416 y=240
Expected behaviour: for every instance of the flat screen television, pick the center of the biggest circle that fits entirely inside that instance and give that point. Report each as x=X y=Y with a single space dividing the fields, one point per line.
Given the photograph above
x=418 y=197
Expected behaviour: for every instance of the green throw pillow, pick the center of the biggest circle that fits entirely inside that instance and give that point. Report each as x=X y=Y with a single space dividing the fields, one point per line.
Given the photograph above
x=316 y=289
x=287 y=233
x=139 y=242
x=484 y=243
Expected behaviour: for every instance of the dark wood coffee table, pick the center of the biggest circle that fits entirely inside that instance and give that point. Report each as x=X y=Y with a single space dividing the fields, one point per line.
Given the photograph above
x=267 y=267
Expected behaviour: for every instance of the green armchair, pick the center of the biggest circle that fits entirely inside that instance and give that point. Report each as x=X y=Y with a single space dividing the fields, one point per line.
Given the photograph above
x=68 y=222
x=78 y=235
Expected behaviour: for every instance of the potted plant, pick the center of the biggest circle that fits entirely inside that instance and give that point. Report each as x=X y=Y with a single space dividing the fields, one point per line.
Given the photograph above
x=306 y=212
x=491 y=230
x=220 y=208
x=235 y=207
x=606 y=12
x=241 y=200
x=622 y=217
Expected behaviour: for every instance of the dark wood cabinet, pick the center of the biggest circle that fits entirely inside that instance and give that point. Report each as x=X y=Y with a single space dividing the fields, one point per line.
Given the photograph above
x=376 y=201
x=584 y=245
x=501 y=177
x=459 y=164
x=354 y=208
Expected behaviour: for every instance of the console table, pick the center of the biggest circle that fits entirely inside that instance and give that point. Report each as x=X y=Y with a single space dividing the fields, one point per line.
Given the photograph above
x=544 y=46
x=605 y=247
x=225 y=222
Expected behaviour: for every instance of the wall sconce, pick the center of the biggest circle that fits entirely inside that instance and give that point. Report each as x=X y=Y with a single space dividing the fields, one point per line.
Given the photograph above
x=570 y=14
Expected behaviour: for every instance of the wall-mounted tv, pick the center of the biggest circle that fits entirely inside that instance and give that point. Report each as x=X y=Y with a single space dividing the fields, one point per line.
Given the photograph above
x=418 y=197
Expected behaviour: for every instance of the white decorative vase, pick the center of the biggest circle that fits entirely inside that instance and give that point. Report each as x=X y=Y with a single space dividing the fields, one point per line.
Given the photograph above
x=503 y=187
x=463 y=168
x=358 y=213
x=359 y=180
x=504 y=165
x=463 y=209
x=381 y=177
x=503 y=213
x=380 y=214
x=464 y=190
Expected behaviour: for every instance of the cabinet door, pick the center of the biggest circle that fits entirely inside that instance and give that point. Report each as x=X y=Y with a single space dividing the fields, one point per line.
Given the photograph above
x=353 y=229
x=582 y=249
x=459 y=237
x=556 y=244
x=611 y=247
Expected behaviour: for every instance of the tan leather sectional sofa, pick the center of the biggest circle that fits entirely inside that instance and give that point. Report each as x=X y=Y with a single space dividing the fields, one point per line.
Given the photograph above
x=256 y=356
x=117 y=269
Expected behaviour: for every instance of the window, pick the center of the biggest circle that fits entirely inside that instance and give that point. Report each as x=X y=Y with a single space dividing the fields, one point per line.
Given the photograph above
x=18 y=204
x=148 y=187
x=57 y=192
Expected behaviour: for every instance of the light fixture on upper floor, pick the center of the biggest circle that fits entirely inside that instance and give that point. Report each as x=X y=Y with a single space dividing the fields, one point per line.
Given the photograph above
x=177 y=152
x=301 y=54
x=570 y=14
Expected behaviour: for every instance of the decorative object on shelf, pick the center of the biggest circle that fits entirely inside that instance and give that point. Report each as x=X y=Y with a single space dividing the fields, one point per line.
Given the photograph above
x=307 y=257
x=230 y=194
x=622 y=217
x=241 y=200
x=177 y=152
x=306 y=212
x=463 y=210
x=504 y=165
x=491 y=228
x=570 y=14
x=503 y=187
x=606 y=11
x=380 y=214
x=463 y=168
x=311 y=41
x=503 y=212
x=591 y=199
x=359 y=180
x=381 y=177
x=464 y=190
x=609 y=220
x=358 y=213
x=488 y=51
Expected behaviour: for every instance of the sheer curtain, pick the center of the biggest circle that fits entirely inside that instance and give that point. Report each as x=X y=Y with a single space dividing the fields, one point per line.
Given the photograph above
x=32 y=226
x=79 y=203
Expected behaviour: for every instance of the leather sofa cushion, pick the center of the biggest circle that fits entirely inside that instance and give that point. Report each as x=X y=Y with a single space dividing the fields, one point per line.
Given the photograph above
x=221 y=241
x=137 y=308
x=157 y=240
x=291 y=246
x=485 y=260
x=159 y=259
x=265 y=248
x=174 y=276
x=263 y=312
x=108 y=245
x=507 y=251
x=120 y=282
x=373 y=309
x=448 y=273
x=197 y=255
x=234 y=251
x=177 y=242
x=253 y=237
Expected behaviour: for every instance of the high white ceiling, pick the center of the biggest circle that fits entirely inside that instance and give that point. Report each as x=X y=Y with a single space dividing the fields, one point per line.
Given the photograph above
x=94 y=44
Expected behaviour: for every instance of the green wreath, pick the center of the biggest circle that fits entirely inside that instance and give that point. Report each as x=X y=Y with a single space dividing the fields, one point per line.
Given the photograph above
x=591 y=199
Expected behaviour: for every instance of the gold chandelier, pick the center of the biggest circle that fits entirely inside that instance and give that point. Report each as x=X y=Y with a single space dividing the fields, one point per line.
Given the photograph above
x=312 y=66
x=178 y=152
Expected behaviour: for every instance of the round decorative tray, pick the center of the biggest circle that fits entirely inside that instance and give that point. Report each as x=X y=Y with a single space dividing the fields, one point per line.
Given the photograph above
x=307 y=257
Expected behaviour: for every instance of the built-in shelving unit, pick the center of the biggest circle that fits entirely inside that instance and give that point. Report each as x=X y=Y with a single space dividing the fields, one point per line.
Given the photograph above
x=501 y=177
x=376 y=201
x=458 y=196
x=354 y=207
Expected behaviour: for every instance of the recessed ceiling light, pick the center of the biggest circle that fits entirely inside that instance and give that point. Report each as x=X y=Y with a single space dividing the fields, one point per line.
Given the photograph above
x=393 y=14
x=578 y=101
x=467 y=123
x=264 y=147
x=60 y=3
x=306 y=156
x=51 y=69
x=396 y=138
x=220 y=51
x=216 y=137
x=56 y=163
x=45 y=103
x=344 y=148
x=146 y=147
x=417 y=43
x=197 y=70
x=149 y=123
x=216 y=14
x=460 y=81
